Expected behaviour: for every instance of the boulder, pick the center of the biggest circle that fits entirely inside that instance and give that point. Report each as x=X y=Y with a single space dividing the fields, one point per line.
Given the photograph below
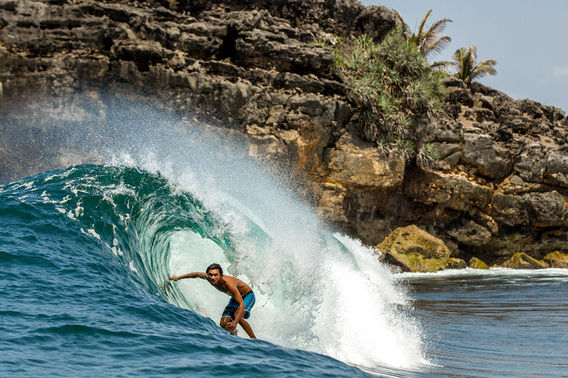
x=556 y=260
x=456 y=263
x=416 y=249
x=460 y=96
x=452 y=81
x=475 y=263
x=521 y=260
x=516 y=185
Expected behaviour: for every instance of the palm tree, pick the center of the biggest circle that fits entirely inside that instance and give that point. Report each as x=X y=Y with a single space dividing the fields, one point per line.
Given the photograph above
x=466 y=66
x=427 y=41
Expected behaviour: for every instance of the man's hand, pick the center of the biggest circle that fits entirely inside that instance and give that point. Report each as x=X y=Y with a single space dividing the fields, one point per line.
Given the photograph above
x=232 y=326
x=174 y=278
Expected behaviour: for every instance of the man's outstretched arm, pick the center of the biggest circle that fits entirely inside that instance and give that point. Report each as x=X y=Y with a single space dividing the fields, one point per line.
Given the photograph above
x=189 y=275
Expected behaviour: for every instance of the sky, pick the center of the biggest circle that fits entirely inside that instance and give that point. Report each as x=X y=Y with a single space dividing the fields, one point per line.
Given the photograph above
x=528 y=39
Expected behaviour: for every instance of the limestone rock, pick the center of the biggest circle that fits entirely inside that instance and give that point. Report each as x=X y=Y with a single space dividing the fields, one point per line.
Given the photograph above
x=471 y=234
x=480 y=151
x=460 y=96
x=531 y=164
x=521 y=260
x=547 y=209
x=475 y=263
x=515 y=185
x=356 y=163
x=452 y=81
x=456 y=263
x=557 y=168
x=556 y=260
x=447 y=190
x=416 y=249
x=508 y=209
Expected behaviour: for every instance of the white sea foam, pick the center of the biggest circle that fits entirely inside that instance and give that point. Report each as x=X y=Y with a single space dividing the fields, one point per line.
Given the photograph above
x=91 y=232
x=132 y=267
x=495 y=272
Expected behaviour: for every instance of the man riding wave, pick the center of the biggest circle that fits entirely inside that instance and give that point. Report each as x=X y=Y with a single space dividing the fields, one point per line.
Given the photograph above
x=241 y=302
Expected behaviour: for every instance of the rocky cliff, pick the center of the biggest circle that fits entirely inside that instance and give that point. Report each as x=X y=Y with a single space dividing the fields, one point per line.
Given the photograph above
x=499 y=185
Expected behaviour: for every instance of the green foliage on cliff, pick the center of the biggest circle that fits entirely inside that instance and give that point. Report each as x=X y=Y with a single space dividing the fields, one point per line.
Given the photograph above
x=394 y=84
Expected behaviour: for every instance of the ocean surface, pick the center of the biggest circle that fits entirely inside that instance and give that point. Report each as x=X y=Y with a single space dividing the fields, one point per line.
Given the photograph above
x=85 y=254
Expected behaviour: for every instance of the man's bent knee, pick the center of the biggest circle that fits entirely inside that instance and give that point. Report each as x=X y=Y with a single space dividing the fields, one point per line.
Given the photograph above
x=224 y=321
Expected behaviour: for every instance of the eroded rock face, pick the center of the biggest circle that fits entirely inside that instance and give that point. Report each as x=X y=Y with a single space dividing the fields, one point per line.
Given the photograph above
x=354 y=163
x=500 y=184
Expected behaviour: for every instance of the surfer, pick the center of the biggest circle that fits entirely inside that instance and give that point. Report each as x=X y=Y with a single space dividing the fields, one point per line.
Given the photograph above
x=241 y=302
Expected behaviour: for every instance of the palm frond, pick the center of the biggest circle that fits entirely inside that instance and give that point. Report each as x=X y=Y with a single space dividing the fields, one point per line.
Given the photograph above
x=437 y=45
x=423 y=22
x=465 y=62
x=443 y=64
x=426 y=40
x=484 y=68
x=440 y=25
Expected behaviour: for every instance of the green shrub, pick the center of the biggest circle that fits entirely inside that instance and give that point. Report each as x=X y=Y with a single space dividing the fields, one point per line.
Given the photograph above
x=394 y=83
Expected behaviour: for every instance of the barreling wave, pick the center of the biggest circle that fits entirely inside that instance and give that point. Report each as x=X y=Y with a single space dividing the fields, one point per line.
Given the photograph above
x=317 y=291
x=165 y=199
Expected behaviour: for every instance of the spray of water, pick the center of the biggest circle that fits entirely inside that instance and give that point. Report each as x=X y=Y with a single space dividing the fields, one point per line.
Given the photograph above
x=316 y=290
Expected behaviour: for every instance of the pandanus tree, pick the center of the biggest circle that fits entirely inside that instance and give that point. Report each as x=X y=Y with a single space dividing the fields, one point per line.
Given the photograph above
x=465 y=63
x=426 y=40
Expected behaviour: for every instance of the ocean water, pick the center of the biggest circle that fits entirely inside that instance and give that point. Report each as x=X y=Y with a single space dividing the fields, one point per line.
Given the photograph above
x=85 y=253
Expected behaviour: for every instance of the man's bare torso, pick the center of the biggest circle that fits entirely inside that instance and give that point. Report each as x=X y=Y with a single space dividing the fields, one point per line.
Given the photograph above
x=242 y=287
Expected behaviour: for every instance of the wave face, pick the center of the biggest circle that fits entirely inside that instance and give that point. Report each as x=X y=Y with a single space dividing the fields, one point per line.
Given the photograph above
x=85 y=251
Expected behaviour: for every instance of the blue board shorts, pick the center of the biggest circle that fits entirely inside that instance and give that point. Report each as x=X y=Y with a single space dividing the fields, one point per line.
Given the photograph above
x=233 y=305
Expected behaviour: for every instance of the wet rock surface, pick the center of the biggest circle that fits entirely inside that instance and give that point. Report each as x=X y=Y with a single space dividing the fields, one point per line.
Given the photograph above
x=556 y=260
x=499 y=186
x=417 y=250
x=521 y=260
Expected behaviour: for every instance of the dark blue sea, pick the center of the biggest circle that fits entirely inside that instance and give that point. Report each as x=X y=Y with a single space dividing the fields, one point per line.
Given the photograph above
x=85 y=254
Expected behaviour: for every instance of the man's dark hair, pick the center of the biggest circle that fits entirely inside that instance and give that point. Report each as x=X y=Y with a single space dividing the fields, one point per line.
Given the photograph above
x=214 y=266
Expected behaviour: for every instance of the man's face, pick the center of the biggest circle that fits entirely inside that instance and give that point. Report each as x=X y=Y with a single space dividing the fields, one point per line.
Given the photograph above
x=213 y=276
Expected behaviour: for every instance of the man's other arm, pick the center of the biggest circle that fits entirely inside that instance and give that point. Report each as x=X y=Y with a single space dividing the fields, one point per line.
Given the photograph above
x=189 y=275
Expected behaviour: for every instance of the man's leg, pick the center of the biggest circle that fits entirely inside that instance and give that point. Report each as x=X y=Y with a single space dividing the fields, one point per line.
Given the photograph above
x=247 y=328
x=225 y=320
